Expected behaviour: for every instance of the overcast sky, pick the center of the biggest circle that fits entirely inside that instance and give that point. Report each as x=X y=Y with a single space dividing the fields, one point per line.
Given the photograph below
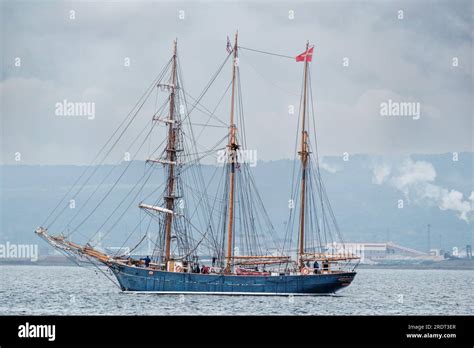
x=82 y=60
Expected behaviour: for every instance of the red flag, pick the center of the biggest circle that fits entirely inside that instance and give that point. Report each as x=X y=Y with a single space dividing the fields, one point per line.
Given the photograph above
x=305 y=56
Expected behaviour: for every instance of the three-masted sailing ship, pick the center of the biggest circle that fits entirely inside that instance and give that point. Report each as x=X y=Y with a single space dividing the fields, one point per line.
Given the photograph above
x=236 y=214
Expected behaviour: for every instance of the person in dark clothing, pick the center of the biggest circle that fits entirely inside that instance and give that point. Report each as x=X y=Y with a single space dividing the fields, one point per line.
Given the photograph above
x=214 y=261
x=325 y=265
x=316 y=267
x=147 y=261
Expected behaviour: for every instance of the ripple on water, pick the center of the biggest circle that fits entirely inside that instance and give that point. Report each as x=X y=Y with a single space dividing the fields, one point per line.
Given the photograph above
x=42 y=290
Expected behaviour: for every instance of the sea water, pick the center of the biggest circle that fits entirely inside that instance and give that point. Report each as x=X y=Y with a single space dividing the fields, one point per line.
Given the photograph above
x=73 y=290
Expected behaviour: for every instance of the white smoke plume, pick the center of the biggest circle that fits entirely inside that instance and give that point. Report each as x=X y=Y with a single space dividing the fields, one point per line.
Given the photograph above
x=331 y=168
x=416 y=179
x=381 y=172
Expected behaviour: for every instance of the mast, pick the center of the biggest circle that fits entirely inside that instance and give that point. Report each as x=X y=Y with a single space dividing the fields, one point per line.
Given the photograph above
x=171 y=159
x=232 y=146
x=304 y=162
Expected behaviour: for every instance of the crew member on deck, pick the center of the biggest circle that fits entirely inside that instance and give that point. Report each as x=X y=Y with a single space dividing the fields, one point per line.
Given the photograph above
x=325 y=265
x=316 y=267
x=147 y=261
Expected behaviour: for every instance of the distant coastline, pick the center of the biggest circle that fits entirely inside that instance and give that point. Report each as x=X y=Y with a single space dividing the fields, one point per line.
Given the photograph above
x=453 y=264
x=457 y=264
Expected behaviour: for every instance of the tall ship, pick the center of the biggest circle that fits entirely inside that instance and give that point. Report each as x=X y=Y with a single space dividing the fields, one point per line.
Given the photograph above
x=213 y=233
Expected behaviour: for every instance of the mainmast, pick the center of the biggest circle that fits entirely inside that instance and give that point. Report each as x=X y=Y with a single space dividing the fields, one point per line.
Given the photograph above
x=304 y=153
x=232 y=147
x=171 y=159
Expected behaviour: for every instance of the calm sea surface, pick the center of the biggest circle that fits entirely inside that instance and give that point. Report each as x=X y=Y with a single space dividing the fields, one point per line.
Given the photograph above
x=43 y=290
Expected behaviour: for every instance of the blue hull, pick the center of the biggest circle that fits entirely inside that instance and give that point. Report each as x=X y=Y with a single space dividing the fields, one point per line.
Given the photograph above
x=140 y=279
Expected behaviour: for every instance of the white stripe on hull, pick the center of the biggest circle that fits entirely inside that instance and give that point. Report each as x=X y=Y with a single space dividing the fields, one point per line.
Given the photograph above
x=224 y=293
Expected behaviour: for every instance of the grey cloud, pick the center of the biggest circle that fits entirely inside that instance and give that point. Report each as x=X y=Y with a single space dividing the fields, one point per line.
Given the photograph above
x=83 y=60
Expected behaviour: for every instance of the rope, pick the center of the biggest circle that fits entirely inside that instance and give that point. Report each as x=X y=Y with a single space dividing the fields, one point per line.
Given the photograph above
x=265 y=52
x=101 y=271
x=150 y=88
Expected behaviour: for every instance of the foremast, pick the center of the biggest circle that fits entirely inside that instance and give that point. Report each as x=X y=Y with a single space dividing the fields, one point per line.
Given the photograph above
x=171 y=159
x=232 y=153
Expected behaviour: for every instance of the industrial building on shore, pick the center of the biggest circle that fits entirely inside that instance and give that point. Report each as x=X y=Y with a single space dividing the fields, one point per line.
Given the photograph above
x=389 y=252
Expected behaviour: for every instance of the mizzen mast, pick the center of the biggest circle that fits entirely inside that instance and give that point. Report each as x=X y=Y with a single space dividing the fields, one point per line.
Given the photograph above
x=232 y=148
x=304 y=153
